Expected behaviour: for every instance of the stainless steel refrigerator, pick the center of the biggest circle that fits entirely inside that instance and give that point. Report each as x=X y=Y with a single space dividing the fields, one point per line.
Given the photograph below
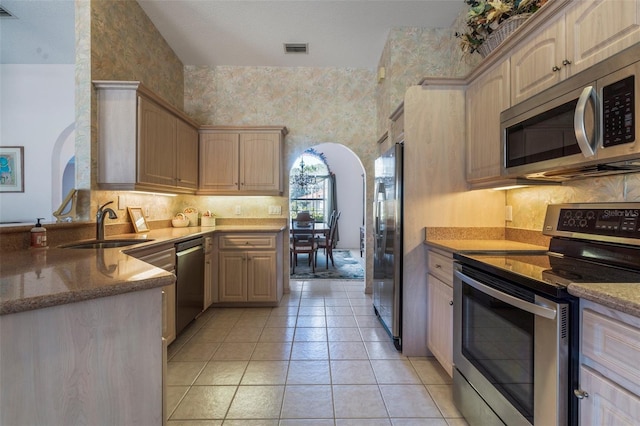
x=387 y=258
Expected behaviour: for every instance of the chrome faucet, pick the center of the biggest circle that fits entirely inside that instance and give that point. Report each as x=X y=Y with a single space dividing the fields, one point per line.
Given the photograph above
x=100 y=219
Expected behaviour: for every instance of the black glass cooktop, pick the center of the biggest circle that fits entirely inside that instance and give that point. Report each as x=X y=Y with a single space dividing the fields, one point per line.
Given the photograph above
x=548 y=272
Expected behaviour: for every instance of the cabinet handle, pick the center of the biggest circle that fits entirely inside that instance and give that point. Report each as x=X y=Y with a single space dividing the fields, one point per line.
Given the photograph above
x=438 y=266
x=580 y=394
x=566 y=62
x=450 y=302
x=555 y=68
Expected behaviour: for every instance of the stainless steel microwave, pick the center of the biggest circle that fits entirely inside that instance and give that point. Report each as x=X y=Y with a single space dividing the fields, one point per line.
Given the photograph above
x=584 y=126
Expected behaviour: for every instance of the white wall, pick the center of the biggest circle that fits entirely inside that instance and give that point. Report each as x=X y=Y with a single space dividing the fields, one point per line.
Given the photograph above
x=36 y=106
x=348 y=170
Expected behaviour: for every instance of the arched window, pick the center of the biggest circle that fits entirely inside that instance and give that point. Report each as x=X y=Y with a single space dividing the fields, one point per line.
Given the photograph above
x=309 y=185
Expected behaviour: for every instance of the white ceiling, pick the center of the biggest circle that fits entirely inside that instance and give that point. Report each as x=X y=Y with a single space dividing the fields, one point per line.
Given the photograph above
x=343 y=33
x=42 y=32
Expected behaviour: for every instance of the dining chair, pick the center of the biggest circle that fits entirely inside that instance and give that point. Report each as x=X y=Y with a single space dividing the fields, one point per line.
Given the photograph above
x=322 y=237
x=329 y=243
x=303 y=243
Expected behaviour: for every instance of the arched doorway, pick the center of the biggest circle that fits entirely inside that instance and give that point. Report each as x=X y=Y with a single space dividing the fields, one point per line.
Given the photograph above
x=334 y=159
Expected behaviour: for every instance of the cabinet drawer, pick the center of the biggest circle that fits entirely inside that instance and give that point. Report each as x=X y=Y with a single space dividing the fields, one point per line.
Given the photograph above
x=164 y=258
x=441 y=266
x=612 y=343
x=245 y=241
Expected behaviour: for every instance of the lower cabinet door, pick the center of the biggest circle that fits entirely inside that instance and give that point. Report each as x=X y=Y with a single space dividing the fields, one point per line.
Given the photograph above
x=607 y=403
x=261 y=276
x=440 y=322
x=169 y=313
x=232 y=275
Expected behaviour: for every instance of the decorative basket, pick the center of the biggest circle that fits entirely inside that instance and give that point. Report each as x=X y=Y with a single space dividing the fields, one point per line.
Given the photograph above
x=180 y=221
x=501 y=33
x=207 y=221
x=192 y=214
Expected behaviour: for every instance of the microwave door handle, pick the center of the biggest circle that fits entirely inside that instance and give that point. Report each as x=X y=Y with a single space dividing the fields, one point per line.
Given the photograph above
x=587 y=148
x=532 y=308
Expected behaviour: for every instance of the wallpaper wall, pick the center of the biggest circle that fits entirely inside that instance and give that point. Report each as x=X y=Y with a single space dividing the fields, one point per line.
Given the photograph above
x=317 y=105
x=125 y=45
x=84 y=165
x=411 y=54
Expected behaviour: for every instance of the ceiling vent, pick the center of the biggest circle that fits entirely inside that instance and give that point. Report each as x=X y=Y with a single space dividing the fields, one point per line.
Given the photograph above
x=4 y=13
x=296 y=48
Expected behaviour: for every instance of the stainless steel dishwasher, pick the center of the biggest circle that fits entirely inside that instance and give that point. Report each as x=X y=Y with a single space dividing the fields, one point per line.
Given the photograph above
x=189 y=281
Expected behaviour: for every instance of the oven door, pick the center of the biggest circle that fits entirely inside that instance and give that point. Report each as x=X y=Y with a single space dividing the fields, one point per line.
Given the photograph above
x=511 y=347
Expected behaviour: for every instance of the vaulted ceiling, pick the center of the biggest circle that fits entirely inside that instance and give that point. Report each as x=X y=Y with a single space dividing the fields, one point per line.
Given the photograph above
x=343 y=33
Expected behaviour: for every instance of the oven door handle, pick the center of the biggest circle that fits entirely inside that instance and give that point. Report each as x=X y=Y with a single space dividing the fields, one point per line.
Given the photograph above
x=532 y=308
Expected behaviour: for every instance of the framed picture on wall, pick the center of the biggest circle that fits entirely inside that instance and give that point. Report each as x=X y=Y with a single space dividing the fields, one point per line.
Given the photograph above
x=11 y=169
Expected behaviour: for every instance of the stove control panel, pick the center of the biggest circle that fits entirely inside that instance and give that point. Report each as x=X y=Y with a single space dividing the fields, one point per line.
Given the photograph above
x=615 y=220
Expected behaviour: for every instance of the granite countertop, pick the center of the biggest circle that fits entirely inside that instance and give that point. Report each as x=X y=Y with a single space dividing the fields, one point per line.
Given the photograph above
x=39 y=278
x=469 y=246
x=624 y=297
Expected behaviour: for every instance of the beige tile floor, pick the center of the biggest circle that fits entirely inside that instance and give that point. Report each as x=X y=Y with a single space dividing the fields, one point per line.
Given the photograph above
x=320 y=358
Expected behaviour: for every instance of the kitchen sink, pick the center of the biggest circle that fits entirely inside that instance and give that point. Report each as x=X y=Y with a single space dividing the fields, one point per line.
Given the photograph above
x=95 y=244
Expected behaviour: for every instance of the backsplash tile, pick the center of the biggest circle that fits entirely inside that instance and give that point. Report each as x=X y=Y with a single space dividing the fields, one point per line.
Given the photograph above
x=530 y=204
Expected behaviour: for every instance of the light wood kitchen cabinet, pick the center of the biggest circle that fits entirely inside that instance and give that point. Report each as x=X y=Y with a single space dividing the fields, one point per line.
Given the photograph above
x=584 y=34
x=537 y=63
x=486 y=98
x=163 y=256
x=249 y=268
x=169 y=313
x=440 y=308
x=609 y=375
x=397 y=124
x=144 y=143
x=241 y=160
x=209 y=281
x=187 y=152
x=599 y=29
x=92 y=362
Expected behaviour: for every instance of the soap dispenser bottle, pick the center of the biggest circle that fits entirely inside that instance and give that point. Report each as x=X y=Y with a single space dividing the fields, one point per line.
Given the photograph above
x=38 y=235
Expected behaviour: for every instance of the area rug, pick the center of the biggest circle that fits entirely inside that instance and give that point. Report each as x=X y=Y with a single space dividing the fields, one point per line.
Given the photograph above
x=347 y=267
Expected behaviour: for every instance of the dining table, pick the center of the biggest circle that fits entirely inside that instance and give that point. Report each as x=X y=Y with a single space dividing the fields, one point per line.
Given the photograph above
x=320 y=228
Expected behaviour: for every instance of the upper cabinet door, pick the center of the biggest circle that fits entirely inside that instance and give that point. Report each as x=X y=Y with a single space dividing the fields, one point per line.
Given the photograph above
x=598 y=29
x=187 y=155
x=260 y=162
x=487 y=97
x=219 y=161
x=537 y=63
x=156 y=144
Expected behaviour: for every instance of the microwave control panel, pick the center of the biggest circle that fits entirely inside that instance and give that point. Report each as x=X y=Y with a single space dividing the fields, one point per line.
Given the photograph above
x=618 y=112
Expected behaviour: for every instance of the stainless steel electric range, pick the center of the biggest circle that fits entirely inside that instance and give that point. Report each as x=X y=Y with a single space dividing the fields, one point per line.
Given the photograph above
x=516 y=325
